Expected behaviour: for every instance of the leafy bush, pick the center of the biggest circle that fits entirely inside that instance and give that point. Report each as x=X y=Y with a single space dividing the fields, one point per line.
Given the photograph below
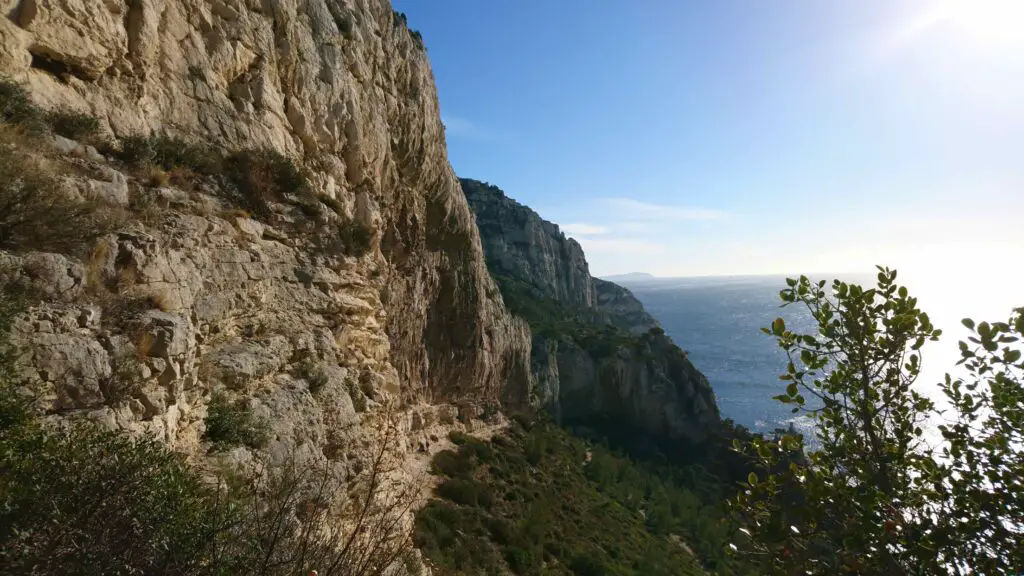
x=35 y=213
x=355 y=238
x=17 y=108
x=459 y=491
x=314 y=375
x=231 y=424
x=83 y=500
x=169 y=153
x=588 y=565
x=454 y=464
x=136 y=150
x=125 y=382
x=877 y=497
x=263 y=177
x=73 y=125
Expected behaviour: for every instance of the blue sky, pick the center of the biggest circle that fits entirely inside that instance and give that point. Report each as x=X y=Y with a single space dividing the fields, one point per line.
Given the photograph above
x=729 y=136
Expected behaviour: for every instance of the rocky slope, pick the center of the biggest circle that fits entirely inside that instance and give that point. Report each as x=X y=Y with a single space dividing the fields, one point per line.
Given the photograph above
x=597 y=354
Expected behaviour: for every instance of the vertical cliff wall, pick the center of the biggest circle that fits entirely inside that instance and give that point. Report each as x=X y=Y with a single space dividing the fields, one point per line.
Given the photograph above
x=597 y=354
x=229 y=302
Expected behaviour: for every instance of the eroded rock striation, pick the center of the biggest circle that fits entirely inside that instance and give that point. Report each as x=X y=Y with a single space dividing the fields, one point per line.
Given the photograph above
x=220 y=300
x=597 y=354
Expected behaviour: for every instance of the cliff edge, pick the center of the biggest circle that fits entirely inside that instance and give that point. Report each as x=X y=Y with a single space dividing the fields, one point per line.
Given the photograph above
x=596 y=354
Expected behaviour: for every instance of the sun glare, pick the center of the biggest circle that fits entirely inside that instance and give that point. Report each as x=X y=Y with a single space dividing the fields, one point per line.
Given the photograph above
x=994 y=23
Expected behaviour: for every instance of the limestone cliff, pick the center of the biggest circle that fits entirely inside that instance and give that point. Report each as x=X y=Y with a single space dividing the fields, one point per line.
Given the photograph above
x=519 y=243
x=221 y=301
x=596 y=352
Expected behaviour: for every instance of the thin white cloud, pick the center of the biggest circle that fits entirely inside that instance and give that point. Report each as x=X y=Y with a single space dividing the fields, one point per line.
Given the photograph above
x=583 y=229
x=594 y=247
x=459 y=127
x=630 y=209
x=456 y=126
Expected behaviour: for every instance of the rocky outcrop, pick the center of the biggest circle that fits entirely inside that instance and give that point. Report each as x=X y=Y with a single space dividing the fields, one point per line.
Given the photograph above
x=648 y=384
x=622 y=308
x=596 y=352
x=520 y=244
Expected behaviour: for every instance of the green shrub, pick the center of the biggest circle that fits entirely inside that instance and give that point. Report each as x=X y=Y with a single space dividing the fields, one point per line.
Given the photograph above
x=73 y=125
x=345 y=237
x=454 y=464
x=355 y=238
x=314 y=375
x=263 y=177
x=875 y=496
x=459 y=491
x=588 y=565
x=230 y=424
x=170 y=153
x=136 y=150
x=16 y=107
x=125 y=382
x=36 y=213
x=84 y=500
x=519 y=560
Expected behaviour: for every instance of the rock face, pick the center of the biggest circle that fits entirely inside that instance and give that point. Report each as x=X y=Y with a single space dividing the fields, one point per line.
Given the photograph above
x=522 y=245
x=596 y=352
x=208 y=298
x=622 y=308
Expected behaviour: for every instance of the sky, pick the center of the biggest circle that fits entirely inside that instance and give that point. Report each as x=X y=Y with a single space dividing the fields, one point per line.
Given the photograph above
x=737 y=137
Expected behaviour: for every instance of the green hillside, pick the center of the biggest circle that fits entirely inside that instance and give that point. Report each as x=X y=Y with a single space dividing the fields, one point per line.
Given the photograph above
x=541 y=500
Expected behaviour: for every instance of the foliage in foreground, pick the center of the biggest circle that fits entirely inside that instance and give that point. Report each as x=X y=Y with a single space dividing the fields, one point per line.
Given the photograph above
x=879 y=497
x=87 y=501
x=541 y=501
x=83 y=500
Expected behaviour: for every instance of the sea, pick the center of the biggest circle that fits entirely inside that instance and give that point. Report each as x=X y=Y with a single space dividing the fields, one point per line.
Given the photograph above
x=718 y=321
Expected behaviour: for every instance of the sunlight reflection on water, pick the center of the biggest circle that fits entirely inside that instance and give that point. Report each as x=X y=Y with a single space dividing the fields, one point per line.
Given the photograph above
x=718 y=321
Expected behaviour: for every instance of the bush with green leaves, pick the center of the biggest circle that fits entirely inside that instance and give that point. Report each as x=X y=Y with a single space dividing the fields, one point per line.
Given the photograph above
x=83 y=500
x=878 y=497
x=17 y=108
x=37 y=214
x=263 y=177
x=73 y=125
x=355 y=238
x=169 y=153
x=231 y=423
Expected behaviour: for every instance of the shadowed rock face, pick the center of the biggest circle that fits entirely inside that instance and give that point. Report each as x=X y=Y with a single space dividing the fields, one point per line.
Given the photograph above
x=603 y=356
